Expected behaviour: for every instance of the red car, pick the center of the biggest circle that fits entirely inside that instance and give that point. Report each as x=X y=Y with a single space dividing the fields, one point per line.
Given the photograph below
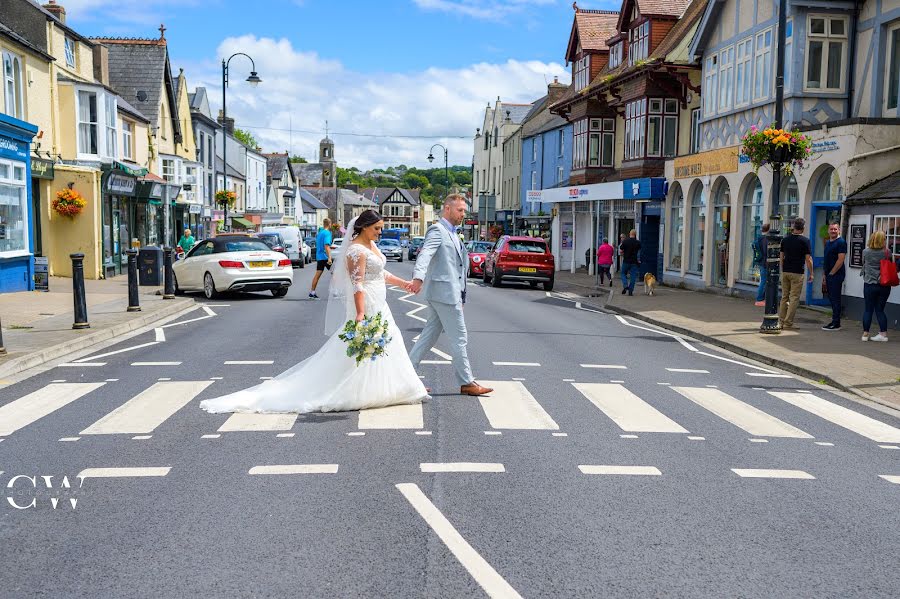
x=524 y=259
x=477 y=251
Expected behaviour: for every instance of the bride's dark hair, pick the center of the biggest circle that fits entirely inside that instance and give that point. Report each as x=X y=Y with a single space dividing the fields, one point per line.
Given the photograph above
x=366 y=219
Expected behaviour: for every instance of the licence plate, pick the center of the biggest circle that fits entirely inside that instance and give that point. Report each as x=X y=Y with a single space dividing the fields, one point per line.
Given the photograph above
x=260 y=264
x=526 y=269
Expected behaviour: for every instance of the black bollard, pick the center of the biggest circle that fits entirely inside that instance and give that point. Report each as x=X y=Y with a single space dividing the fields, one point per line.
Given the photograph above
x=78 y=295
x=2 y=347
x=169 y=275
x=134 y=302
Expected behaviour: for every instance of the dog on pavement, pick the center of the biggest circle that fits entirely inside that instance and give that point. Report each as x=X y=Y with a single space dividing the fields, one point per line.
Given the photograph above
x=649 y=283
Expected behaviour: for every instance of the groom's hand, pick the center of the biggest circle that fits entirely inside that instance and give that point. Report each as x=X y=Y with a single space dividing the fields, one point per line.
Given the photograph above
x=415 y=286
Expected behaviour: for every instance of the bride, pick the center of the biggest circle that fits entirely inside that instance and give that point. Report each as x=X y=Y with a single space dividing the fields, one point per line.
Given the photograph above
x=329 y=380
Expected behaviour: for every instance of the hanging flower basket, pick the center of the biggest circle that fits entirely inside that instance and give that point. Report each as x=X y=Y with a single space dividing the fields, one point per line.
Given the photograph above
x=782 y=150
x=226 y=198
x=68 y=203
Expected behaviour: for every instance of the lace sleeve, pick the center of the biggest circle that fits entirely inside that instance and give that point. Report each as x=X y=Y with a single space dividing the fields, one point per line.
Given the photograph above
x=356 y=266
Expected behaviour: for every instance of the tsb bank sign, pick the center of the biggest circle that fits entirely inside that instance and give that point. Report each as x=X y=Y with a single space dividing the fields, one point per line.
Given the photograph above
x=25 y=492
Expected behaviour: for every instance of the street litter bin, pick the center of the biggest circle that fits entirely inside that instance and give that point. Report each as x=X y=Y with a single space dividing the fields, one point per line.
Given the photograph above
x=150 y=266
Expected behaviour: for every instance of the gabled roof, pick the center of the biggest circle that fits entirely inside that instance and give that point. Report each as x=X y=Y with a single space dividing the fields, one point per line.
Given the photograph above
x=307 y=173
x=125 y=106
x=540 y=119
x=232 y=172
x=379 y=195
x=591 y=29
x=276 y=164
x=517 y=112
x=60 y=24
x=310 y=201
x=673 y=9
x=328 y=195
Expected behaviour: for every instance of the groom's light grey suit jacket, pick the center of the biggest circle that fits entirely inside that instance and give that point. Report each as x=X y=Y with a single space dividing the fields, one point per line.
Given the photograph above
x=441 y=266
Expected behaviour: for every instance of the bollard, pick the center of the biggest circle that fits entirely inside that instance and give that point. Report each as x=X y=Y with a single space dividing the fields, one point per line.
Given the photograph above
x=2 y=347
x=134 y=302
x=169 y=275
x=81 y=317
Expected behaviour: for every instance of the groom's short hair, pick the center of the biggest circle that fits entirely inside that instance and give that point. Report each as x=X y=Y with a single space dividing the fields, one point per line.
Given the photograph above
x=455 y=197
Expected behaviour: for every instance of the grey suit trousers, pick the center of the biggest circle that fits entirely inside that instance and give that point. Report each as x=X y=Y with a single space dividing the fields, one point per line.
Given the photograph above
x=447 y=318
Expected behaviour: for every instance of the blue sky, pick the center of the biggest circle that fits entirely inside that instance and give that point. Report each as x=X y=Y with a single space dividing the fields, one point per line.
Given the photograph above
x=388 y=68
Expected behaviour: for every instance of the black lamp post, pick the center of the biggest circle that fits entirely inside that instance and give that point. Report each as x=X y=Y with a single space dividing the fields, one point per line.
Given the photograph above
x=770 y=324
x=446 y=168
x=253 y=80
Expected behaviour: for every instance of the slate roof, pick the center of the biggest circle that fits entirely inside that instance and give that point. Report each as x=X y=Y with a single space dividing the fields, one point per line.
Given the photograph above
x=517 y=112
x=310 y=202
x=234 y=174
x=307 y=173
x=123 y=104
x=60 y=24
x=883 y=190
x=540 y=119
x=327 y=195
x=9 y=33
x=276 y=164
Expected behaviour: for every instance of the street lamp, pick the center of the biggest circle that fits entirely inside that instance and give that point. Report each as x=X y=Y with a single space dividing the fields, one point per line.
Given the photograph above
x=253 y=80
x=446 y=168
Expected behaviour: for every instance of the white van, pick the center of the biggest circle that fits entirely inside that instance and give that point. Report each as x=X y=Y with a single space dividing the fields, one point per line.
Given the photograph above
x=293 y=242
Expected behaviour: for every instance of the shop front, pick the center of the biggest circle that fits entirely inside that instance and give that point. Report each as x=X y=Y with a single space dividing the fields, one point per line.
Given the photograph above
x=119 y=186
x=145 y=214
x=16 y=214
x=41 y=170
x=649 y=196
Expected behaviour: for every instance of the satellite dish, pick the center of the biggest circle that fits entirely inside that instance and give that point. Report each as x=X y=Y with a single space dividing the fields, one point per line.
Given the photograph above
x=142 y=96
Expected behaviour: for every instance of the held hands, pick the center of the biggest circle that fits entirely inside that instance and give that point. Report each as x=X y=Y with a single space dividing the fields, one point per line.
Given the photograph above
x=414 y=286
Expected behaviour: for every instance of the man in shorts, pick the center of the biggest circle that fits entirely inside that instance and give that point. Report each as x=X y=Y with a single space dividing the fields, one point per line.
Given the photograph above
x=323 y=255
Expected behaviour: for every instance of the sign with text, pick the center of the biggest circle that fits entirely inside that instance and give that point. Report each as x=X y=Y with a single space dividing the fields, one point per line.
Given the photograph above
x=857 y=245
x=713 y=162
x=41 y=273
x=41 y=169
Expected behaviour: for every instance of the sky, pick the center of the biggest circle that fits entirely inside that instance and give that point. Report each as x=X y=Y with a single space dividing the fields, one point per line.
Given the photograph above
x=391 y=77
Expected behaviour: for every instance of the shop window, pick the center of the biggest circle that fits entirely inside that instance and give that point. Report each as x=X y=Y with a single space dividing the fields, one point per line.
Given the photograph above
x=12 y=86
x=826 y=45
x=676 y=229
x=13 y=208
x=892 y=77
x=762 y=65
x=721 y=232
x=891 y=227
x=697 y=230
x=751 y=228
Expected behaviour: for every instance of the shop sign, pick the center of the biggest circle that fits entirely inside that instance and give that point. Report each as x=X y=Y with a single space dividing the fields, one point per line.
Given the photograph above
x=713 y=162
x=857 y=245
x=120 y=184
x=207 y=212
x=567 y=235
x=826 y=145
x=41 y=273
x=196 y=208
x=11 y=148
x=41 y=169
x=533 y=195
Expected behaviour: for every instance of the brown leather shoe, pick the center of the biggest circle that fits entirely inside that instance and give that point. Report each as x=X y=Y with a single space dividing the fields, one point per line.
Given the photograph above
x=474 y=389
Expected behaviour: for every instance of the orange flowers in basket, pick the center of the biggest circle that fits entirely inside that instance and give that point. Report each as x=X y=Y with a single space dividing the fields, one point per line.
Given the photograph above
x=69 y=203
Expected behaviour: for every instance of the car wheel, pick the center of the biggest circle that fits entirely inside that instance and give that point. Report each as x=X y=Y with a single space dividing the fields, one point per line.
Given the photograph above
x=496 y=279
x=400 y=259
x=280 y=292
x=302 y=262
x=178 y=290
x=548 y=286
x=533 y=284
x=484 y=277
x=209 y=287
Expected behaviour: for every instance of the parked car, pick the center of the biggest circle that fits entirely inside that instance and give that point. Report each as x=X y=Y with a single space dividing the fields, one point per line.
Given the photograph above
x=274 y=240
x=336 y=246
x=414 y=246
x=311 y=242
x=391 y=249
x=523 y=259
x=477 y=251
x=233 y=263
x=294 y=247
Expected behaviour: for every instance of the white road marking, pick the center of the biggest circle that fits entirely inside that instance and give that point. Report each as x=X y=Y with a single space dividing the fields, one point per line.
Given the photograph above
x=58 y=381
x=743 y=415
x=568 y=380
x=148 y=409
x=824 y=444
x=628 y=436
x=493 y=433
x=891 y=478
x=889 y=446
x=69 y=439
x=164 y=379
x=87 y=364
x=160 y=334
x=608 y=366
x=712 y=386
x=461 y=467
x=124 y=472
x=696 y=438
x=693 y=370
x=118 y=351
x=208 y=311
x=219 y=305
x=617 y=381
x=356 y=434
x=763 y=473
x=490 y=581
x=758 y=440
x=436 y=362
x=258 y=422
x=248 y=362
x=295 y=469
x=215 y=378
x=441 y=354
x=664 y=384
x=514 y=378
x=633 y=470
x=210 y=436
x=141 y=437
x=284 y=435
x=111 y=380
x=841 y=416
x=516 y=364
x=769 y=375
x=392 y=417
x=423 y=432
x=738 y=362
x=266 y=378
x=627 y=410
x=156 y=363
x=658 y=332
x=759 y=388
x=512 y=406
x=412 y=313
x=34 y=406
x=560 y=434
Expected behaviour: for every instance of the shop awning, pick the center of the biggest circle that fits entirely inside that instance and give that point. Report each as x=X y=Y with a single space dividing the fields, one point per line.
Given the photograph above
x=242 y=223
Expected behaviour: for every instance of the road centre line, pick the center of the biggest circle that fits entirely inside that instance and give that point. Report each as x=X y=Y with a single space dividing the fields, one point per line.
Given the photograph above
x=461 y=467
x=74 y=364
x=633 y=470
x=248 y=362
x=658 y=332
x=766 y=473
x=516 y=364
x=295 y=469
x=478 y=568
x=124 y=472
x=156 y=363
x=688 y=370
x=605 y=366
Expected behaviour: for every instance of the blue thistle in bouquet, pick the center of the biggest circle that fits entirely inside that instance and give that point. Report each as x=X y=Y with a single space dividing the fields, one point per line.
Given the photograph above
x=366 y=339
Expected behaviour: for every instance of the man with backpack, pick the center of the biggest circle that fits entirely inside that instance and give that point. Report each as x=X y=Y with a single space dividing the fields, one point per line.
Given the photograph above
x=760 y=245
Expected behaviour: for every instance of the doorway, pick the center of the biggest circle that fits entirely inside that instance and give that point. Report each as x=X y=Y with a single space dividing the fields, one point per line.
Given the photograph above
x=822 y=216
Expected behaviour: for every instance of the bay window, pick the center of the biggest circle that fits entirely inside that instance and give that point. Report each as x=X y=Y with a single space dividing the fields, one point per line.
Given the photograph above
x=168 y=169
x=594 y=143
x=12 y=86
x=762 y=65
x=726 y=75
x=635 y=128
x=742 y=76
x=893 y=73
x=639 y=43
x=109 y=103
x=97 y=130
x=13 y=207
x=88 y=142
x=710 y=85
x=826 y=45
x=660 y=117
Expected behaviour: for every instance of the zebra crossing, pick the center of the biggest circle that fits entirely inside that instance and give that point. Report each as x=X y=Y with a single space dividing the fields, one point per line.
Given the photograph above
x=511 y=407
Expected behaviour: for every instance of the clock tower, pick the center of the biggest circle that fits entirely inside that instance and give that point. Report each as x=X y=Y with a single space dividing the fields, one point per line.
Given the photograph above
x=329 y=167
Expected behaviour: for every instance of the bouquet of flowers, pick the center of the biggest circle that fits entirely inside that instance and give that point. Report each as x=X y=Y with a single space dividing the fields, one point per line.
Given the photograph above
x=69 y=203
x=789 y=149
x=366 y=339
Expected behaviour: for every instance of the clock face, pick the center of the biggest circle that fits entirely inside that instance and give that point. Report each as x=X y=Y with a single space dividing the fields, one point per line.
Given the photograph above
x=326 y=173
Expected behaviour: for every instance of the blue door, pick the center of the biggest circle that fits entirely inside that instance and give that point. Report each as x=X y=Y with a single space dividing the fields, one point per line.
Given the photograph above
x=650 y=244
x=822 y=216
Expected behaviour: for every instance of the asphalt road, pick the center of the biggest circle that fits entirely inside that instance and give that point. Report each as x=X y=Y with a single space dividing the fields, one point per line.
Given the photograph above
x=612 y=462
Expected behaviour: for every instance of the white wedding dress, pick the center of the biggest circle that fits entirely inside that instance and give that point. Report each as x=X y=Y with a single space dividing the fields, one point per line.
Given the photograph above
x=329 y=380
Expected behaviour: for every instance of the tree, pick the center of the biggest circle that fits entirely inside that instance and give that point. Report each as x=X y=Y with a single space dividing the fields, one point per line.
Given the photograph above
x=298 y=159
x=246 y=138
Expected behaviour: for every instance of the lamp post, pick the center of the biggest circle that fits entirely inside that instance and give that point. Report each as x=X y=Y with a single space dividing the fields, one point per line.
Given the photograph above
x=770 y=324
x=446 y=167
x=253 y=80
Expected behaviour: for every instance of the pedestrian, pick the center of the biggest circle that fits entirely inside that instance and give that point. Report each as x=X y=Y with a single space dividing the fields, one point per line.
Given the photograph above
x=835 y=271
x=619 y=253
x=760 y=251
x=631 y=250
x=795 y=255
x=323 y=255
x=604 y=260
x=187 y=241
x=874 y=293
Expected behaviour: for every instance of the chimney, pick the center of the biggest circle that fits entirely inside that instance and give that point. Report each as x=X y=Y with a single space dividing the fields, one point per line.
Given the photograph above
x=101 y=64
x=555 y=90
x=56 y=10
x=228 y=126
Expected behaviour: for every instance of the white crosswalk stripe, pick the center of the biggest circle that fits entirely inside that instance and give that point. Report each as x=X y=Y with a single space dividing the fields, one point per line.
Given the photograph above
x=754 y=421
x=512 y=406
x=627 y=410
x=147 y=410
x=258 y=422
x=34 y=406
x=392 y=417
x=841 y=416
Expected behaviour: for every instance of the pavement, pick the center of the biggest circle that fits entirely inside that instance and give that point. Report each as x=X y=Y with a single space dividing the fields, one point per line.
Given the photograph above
x=37 y=326
x=839 y=358
x=614 y=459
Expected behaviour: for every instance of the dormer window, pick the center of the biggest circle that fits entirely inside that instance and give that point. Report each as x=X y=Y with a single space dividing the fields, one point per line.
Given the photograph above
x=639 y=43
x=615 y=55
x=582 y=72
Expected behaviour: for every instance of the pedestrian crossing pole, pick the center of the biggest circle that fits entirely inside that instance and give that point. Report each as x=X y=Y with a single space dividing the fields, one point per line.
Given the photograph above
x=770 y=324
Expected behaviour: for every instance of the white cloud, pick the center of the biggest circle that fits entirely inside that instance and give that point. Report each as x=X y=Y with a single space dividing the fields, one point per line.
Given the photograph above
x=301 y=90
x=492 y=10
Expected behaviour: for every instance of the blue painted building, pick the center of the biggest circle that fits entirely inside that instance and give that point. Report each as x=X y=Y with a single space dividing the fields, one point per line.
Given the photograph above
x=16 y=214
x=546 y=160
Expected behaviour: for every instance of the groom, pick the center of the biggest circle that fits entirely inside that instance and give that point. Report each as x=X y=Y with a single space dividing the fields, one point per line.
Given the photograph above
x=440 y=275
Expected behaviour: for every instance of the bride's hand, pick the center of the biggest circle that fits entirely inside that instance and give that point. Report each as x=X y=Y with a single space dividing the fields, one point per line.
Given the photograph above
x=360 y=317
